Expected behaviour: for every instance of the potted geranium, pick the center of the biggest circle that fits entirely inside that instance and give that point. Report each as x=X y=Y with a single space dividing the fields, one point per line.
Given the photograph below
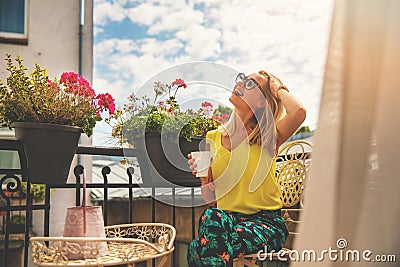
x=165 y=132
x=49 y=116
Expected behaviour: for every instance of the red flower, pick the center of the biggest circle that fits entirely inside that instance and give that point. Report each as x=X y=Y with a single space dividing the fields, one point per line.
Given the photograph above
x=179 y=83
x=220 y=119
x=239 y=229
x=106 y=102
x=69 y=77
x=225 y=256
x=203 y=217
x=76 y=84
x=203 y=241
x=225 y=116
x=206 y=104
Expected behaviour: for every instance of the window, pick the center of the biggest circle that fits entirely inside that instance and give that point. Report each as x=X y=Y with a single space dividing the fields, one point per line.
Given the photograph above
x=13 y=21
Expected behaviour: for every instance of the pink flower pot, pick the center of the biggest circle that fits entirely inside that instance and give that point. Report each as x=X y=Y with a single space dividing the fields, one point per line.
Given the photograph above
x=76 y=225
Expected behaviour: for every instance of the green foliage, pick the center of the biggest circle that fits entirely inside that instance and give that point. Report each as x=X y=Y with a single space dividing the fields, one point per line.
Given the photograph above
x=303 y=129
x=222 y=110
x=37 y=190
x=34 y=98
x=17 y=219
x=139 y=117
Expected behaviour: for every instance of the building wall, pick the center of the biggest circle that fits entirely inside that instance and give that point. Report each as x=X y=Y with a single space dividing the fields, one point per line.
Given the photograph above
x=53 y=31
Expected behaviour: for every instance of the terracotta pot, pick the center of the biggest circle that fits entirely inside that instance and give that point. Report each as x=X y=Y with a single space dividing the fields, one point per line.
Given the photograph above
x=49 y=150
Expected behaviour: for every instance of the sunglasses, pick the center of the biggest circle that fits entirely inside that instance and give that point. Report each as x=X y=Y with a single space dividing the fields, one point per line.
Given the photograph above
x=249 y=83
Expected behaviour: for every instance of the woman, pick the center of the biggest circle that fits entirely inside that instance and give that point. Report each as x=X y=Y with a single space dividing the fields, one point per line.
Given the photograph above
x=241 y=180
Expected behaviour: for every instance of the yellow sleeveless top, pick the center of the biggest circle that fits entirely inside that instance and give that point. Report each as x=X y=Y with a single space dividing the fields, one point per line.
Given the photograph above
x=244 y=178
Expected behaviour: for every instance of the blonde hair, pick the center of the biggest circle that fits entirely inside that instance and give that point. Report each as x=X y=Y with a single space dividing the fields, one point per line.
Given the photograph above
x=264 y=134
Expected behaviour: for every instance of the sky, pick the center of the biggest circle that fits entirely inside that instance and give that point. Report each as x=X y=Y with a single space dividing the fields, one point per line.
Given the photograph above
x=134 y=41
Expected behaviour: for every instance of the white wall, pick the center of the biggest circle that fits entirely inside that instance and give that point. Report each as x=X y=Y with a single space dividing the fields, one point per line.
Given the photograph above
x=53 y=28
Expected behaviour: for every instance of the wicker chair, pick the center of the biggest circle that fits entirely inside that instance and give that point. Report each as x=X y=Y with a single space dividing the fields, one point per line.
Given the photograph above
x=292 y=168
x=126 y=244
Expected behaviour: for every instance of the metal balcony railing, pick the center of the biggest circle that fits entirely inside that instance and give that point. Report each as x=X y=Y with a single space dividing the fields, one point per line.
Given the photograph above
x=11 y=183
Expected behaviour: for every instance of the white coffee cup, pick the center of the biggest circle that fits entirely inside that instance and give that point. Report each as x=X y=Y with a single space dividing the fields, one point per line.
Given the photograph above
x=203 y=162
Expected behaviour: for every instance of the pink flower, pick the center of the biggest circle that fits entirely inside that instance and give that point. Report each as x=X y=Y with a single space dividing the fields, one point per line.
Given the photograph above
x=179 y=83
x=106 y=102
x=221 y=119
x=69 y=77
x=225 y=116
x=207 y=104
x=76 y=84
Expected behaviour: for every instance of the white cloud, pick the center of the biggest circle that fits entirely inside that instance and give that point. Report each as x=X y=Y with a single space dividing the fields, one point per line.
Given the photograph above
x=177 y=20
x=160 y=48
x=286 y=37
x=146 y=14
x=114 y=45
x=201 y=42
x=116 y=86
x=97 y=30
x=164 y=16
x=105 y=11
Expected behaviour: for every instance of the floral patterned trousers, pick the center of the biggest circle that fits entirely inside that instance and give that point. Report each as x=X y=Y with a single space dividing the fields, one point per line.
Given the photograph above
x=224 y=236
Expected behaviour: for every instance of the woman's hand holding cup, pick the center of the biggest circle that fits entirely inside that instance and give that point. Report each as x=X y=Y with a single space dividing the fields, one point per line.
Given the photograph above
x=191 y=163
x=199 y=162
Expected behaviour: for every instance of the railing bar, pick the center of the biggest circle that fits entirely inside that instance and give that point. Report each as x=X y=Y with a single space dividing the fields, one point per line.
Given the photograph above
x=78 y=170
x=28 y=214
x=173 y=223
x=193 y=214
x=153 y=204
x=10 y=171
x=108 y=151
x=23 y=207
x=130 y=197
x=95 y=185
x=173 y=206
x=105 y=171
x=47 y=212
x=153 y=214
x=6 y=237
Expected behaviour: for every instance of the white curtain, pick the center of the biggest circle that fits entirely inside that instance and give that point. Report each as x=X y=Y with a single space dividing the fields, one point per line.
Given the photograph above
x=353 y=192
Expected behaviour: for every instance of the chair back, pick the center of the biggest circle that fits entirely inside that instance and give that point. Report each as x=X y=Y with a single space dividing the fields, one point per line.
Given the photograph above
x=293 y=163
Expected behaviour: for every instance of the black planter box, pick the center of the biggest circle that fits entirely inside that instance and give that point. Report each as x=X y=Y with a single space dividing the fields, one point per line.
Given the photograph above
x=49 y=150
x=166 y=162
